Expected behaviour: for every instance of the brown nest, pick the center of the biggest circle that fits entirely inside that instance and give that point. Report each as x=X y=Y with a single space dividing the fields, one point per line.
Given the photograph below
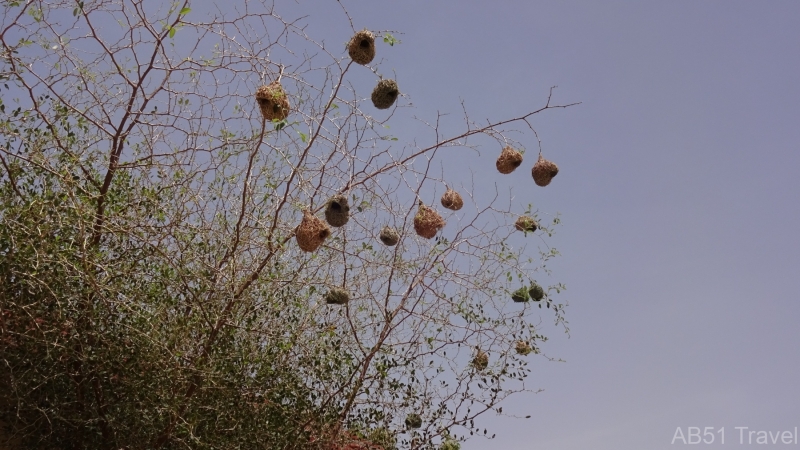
x=413 y=420
x=536 y=292
x=521 y=295
x=427 y=222
x=389 y=236
x=384 y=94
x=337 y=211
x=544 y=171
x=526 y=224
x=337 y=296
x=452 y=200
x=508 y=160
x=362 y=47
x=311 y=232
x=481 y=360
x=523 y=348
x=273 y=101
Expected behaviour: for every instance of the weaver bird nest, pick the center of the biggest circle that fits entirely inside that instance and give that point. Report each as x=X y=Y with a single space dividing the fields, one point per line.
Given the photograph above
x=452 y=200
x=384 y=94
x=413 y=421
x=521 y=295
x=536 y=292
x=427 y=222
x=481 y=360
x=337 y=296
x=389 y=236
x=523 y=348
x=337 y=211
x=544 y=171
x=272 y=101
x=362 y=47
x=526 y=224
x=311 y=232
x=508 y=160
x=450 y=444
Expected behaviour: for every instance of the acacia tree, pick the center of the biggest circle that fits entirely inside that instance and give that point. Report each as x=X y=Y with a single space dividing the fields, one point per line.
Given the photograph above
x=154 y=290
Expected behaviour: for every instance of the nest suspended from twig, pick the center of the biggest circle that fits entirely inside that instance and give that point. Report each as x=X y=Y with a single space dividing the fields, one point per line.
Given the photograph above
x=389 y=236
x=508 y=160
x=427 y=222
x=521 y=295
x=413 y=420
x=452 y=200
x=481 y=360
x=536 y=292
x=362 y=47
x=337 y=211
x=544 y=171
x=450 y=444
x=311 y=232
x=523 y=348
x=337 y=296
x=526 y=224
x=384 y=94
x=273 y=101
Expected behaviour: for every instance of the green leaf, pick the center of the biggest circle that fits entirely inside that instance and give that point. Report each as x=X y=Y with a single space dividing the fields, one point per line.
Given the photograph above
x=303 y=136
x=172 y=31
x=185 y=11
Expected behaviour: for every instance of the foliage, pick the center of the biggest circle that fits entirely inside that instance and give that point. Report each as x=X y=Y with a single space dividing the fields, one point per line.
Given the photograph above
x=151 y=292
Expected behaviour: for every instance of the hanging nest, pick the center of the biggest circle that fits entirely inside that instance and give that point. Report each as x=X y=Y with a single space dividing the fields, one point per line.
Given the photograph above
x=337 y=296
x=523 y=348
x=427 y=222
x=389 y=236
x=521 y=295
x=273 y=101
x=311 y=232
x=362 y=47
x=413 y=420
x=526 y=224
x=452 y=200
x=544 y=171
x=337 y=212
x=481 y=360
x=536 y=292
x=384 y=94
x=508 y=160
x=450 y=444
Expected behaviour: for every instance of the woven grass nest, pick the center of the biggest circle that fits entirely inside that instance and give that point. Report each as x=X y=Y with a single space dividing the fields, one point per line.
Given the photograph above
x=452 y=200
x=523 y=348
x=508 y=160
x=427 y=222
x=526 y=224
x=273 y=101
x=481 y=360
x=544 y=171
x=389 y=236
x=536 y=292
x=362 y=47
x=450 y=444
x=337 y=211
x=521 y=295
x=384 y=94
x=413 y=420
x=311 y=232
x=337 y=296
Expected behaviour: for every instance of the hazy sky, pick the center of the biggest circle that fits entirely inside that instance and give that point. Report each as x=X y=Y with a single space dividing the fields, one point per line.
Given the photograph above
x=678 y=192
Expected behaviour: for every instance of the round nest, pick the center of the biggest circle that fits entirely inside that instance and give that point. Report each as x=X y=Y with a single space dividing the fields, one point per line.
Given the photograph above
x=362 y=47
x=521 y=295
x=311 y=232
x=427 y=222
x=337 y=212
x=337 y=296
x=481 y=360
x=450 y=444
x=523 y=348
x=452 y=200
x=389 y=236
x=536 y=292
x=413 y=420
x=508 y=160
x=544 y=171
x=384 y=94
x=273 y=101
x=526 y=224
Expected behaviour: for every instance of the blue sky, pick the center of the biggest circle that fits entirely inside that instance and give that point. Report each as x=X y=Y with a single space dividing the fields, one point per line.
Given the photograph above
x=678 y=193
